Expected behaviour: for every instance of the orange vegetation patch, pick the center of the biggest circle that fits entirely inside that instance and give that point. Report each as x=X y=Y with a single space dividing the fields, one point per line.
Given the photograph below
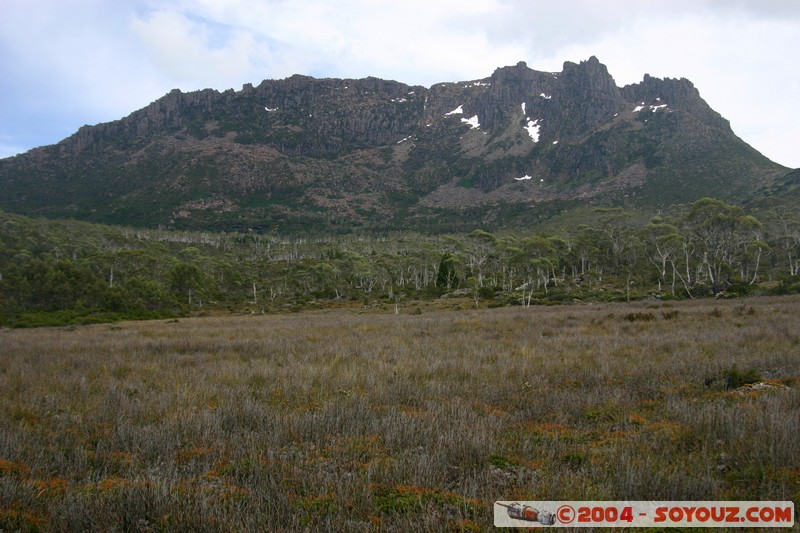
x=15 y=520
x=612 y=438
x=355 y=451
x=790 y=475
x=490 y=409
x=467 y=525
x=187 y=456
x=637 y=419
x=228 y=492
x=12 y=469
x=322 y=503
x=532 y=464
x=410 y=410
x=113 y=484
x=123 y=458
x=50 y=487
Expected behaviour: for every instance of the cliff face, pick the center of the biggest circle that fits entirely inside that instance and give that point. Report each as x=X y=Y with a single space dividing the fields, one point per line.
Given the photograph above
x=303 y=152
x=586 y=97
x=680 y=94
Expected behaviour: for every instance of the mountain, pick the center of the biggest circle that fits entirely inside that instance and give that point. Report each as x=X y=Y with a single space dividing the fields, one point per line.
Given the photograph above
x=304 y=154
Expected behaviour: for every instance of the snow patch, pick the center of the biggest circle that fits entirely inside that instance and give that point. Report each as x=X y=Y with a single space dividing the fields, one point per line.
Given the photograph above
x=472 y=121
x=532 y=126
x=457 y=111
x=270 y=109
x=401 y=141
x=525 y=177
x=399 y=100
x=533 y=129
x=546 y=96
x=555 y=142
x=652 y=108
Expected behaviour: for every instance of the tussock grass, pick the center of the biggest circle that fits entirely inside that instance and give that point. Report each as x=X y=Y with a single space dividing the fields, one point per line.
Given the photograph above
x=341 y=421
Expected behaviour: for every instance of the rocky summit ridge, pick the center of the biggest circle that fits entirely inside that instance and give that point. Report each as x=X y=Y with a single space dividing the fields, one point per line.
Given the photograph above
x=303 y=153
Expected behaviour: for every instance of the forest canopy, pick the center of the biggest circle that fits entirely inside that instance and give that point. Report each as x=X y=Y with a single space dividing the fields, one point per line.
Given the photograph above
x=58 y=272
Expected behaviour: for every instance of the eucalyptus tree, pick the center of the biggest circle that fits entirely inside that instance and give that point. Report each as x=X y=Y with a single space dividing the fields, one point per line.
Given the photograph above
x=663 y=244
x=724 y=233
x=187 y=280
x=447 y=276
x=786 y=227
x=619 y=245
x=585 y=251
x=561 y=250
x=507 y=249
x=534 y=261
x=480 y=247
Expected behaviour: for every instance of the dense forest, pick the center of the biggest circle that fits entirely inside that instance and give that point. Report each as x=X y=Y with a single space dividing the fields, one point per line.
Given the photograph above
x=59 y=272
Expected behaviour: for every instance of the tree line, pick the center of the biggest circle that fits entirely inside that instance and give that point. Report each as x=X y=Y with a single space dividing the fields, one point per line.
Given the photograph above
x=55 y=272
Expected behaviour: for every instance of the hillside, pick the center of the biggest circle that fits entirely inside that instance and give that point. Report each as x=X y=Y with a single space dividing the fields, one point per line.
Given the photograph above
x=304 y=154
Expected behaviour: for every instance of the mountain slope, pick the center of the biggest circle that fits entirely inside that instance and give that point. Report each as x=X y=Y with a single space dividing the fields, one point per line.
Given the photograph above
x=302 y=153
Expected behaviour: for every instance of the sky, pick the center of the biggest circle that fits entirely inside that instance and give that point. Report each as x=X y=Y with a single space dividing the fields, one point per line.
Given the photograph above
x=66 y=63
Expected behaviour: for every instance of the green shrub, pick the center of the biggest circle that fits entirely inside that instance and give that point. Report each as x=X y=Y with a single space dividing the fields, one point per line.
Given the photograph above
x=735 y=378
x=639 y=316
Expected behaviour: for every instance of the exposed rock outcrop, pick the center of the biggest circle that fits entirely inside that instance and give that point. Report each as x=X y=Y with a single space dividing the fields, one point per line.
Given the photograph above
x=303 y=152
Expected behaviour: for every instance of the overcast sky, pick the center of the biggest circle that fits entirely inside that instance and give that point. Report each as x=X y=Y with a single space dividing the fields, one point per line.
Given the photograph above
x=66 y=63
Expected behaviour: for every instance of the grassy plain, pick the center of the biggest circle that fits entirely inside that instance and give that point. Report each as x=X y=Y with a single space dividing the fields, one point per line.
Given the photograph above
x=344 y=421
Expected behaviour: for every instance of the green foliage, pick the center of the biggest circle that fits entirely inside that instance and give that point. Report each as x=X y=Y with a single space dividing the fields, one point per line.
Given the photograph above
x=575 y=459
x=58 y=272
x=640 y=316
x=732 y=378
x=787 y=285
x=502 y=462
x=735 y=378
x=446 y=274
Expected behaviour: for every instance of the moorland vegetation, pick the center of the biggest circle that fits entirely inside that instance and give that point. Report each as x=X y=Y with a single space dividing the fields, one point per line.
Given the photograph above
x=346 y=420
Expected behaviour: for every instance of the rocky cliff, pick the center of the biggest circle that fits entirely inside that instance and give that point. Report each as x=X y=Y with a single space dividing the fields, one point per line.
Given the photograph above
x=303 y=153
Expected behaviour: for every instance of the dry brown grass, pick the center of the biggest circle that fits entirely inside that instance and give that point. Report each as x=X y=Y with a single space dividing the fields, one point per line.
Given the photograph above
x=339 y=421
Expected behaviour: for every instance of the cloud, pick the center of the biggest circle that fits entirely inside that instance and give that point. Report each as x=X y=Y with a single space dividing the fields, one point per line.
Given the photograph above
x=415 y=41
x=65 y=64
x=191 y=53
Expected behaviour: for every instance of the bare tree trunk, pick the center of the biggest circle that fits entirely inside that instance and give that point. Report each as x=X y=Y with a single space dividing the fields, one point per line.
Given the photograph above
x=683 y=280
x=755 y=270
